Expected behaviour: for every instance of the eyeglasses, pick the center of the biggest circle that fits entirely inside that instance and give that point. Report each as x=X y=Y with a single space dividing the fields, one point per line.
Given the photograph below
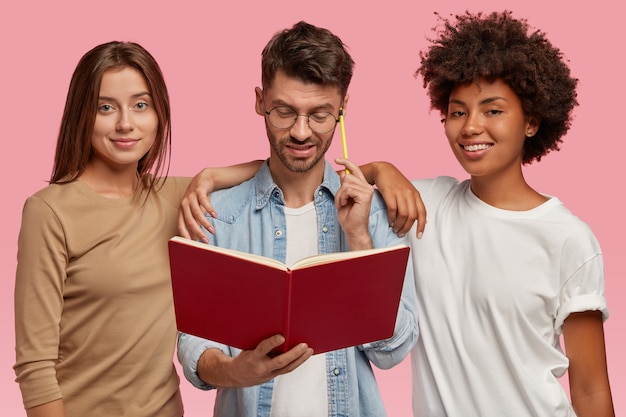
x=283 y=117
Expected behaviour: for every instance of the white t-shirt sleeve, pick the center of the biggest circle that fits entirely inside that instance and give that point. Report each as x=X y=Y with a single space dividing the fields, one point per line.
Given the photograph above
x=582 y=278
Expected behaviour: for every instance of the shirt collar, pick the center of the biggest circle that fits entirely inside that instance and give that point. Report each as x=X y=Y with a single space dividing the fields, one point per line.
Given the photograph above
x=265 y=185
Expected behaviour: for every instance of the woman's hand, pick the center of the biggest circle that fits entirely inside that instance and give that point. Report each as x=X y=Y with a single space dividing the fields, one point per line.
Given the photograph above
x=404 y=203
x=196 y=203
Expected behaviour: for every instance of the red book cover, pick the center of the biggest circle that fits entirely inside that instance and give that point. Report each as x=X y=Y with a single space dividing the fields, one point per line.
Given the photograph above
x=328 y=301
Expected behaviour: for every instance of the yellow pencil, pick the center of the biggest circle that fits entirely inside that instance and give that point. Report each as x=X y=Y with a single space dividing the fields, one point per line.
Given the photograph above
x=344 y=145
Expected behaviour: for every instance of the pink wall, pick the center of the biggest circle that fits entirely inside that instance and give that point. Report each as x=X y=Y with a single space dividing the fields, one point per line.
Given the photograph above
x=210 y=54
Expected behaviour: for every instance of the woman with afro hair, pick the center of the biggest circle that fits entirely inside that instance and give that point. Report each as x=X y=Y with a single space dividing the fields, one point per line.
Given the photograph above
x=504 y=271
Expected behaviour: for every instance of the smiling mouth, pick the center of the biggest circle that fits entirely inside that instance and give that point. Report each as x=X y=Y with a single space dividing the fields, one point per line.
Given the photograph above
x=477 y=147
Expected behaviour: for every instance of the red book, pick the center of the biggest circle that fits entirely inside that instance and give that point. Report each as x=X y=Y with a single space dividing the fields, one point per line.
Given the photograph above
x=328 y=301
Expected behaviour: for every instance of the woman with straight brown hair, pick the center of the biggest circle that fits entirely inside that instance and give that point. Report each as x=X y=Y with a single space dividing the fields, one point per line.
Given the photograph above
x=94 y=318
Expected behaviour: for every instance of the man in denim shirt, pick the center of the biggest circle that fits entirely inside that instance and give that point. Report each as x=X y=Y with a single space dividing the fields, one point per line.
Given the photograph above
x=296 y=206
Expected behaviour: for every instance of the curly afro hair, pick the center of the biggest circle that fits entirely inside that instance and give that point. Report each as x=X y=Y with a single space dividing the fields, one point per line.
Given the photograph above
x=497 y=46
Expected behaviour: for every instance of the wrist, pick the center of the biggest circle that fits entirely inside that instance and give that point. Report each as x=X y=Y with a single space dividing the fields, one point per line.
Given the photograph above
x=370 y=171
x=359 y=241
x=377 y=168
x=213 y=369
x=208 y=176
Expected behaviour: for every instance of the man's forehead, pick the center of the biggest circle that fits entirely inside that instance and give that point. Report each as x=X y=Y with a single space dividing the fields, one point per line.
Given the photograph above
x=293 y=91
x=283 y=80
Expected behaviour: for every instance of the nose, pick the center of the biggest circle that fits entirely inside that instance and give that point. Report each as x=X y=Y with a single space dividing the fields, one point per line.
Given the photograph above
x=473 y=125
x=124 y=122
x=301 y=130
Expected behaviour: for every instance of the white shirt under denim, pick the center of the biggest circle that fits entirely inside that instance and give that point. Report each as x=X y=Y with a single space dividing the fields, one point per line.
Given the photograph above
x=251 y=219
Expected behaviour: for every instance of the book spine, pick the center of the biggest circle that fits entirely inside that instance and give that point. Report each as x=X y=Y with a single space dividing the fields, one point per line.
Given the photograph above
x=287 y=317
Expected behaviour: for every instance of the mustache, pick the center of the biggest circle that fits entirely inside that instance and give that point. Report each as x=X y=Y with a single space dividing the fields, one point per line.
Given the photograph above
x=307 y=141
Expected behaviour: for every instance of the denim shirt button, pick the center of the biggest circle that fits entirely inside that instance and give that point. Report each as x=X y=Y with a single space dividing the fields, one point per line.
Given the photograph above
x=336 y=371
x=278 y=233
x=325 y=229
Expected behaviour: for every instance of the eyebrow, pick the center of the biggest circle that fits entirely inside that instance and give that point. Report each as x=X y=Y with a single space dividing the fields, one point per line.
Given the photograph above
x=485 y=101
x=322 y=107
x=136 y=95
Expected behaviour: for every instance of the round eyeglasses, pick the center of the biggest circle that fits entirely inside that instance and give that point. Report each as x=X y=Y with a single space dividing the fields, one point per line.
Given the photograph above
x=283 y=117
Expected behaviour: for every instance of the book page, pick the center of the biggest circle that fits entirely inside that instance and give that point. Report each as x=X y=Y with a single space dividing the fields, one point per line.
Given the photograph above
x=338 y=256
x=302 y=263
x=234 y=253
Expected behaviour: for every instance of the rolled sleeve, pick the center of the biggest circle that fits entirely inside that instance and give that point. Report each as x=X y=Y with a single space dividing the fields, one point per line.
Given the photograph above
x=583 y=291
x=190 y=348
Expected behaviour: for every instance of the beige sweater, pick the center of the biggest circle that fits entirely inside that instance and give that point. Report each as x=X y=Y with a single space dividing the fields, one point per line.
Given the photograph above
x=94 y=318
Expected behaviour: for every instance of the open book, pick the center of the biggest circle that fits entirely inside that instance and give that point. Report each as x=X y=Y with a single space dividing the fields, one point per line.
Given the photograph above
x=328 y=301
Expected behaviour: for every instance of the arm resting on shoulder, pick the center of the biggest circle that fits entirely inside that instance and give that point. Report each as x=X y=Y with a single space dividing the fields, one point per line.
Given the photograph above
x=583 y=334
x=196 y=202
x=404 y=203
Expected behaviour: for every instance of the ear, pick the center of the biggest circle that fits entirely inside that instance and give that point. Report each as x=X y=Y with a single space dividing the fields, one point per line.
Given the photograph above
x=259 y=105
x=532 y=126
x=345 y=103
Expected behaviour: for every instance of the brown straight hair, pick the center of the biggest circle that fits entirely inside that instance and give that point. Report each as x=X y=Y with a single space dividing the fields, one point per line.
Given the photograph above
x=74 y=149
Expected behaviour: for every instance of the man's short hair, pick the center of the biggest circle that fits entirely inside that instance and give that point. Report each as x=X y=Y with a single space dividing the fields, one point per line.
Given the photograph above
x=309 y=54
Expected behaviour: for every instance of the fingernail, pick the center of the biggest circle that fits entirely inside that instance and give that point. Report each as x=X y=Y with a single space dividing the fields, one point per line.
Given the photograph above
x=419 y=235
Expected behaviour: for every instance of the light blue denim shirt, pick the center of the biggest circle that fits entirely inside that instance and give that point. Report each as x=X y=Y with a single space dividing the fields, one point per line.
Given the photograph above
x=251 y=219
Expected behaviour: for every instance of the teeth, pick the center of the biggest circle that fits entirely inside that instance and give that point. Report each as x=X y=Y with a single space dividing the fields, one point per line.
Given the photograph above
x=480 y=147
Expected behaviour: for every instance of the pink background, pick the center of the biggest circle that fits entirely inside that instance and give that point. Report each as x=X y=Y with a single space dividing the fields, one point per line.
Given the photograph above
x=210 y=55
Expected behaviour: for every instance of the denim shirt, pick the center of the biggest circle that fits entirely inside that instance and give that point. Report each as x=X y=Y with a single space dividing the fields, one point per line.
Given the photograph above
x=251 y=219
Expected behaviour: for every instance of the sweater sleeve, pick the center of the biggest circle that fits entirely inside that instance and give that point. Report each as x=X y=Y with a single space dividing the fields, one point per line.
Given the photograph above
x=40 y=277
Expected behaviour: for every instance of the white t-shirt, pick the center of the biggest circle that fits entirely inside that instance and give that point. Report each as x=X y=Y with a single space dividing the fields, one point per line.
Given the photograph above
x=304 y=391
x=494 y=287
